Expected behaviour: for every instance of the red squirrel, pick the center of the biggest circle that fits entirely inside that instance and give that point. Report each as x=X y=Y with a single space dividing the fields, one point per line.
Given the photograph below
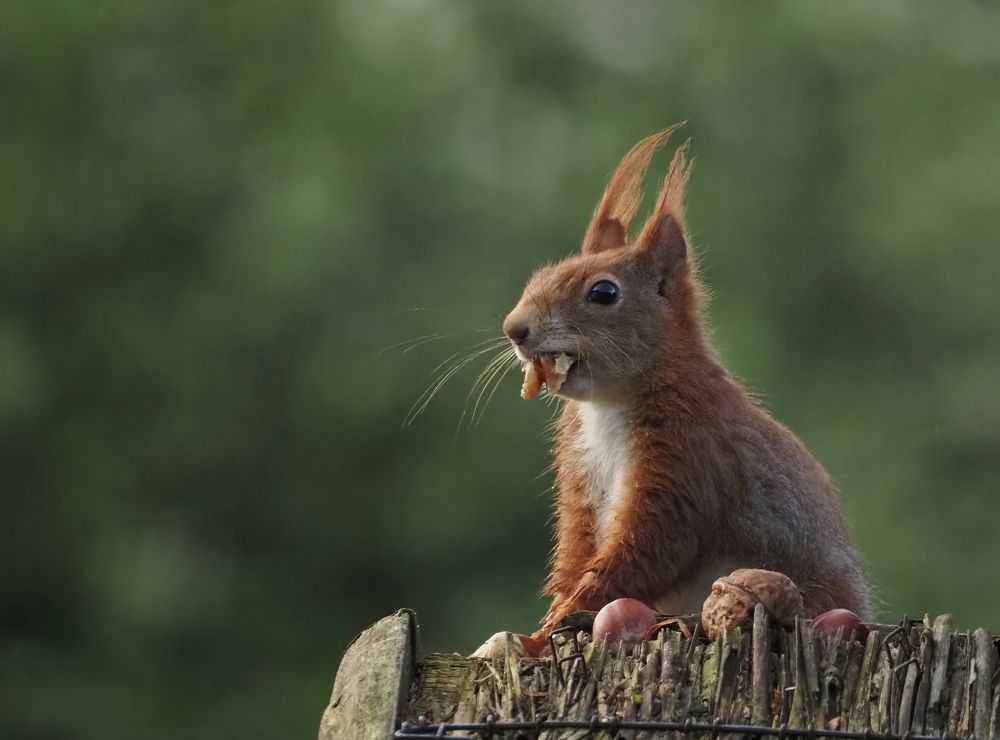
x=669 y=473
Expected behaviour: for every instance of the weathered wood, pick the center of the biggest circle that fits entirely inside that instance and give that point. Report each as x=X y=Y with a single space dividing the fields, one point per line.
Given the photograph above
x=595 y=670
x=831 y=683
x=567 y=685
x=904 y=721
x=485 y=695
x=797 y=711
x=632 y=697
x=919 y=721
x=729 y=664
x=371 y=686
x=648 y=682
x=696 y=657
x=853 y=659
x=704 y=706
x=670 y=671
x=442 y=684
x=995 y=716
x=908 y=689
x=860 y=717
x=937 y=705
x=610 y=687
x=881 y=708
x=761 y=711
x=810 y=663
x=986 y=658
x=781 y=705
x=467 y=693
x=957 y=719
x=742 y=705
x=512 y=678
x=536 y=692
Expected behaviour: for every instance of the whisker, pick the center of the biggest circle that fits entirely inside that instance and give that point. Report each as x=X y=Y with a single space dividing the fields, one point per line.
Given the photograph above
x=412 y=310
x=452 y=334
x=492 y=343
x=600 y=351
x=432 y=390
x=417 y=341
x=590 y=369
x=614 y=344
x=446 y=370
x=511 y=361
x=596 y=350
x=485 y=376
x=553 y=417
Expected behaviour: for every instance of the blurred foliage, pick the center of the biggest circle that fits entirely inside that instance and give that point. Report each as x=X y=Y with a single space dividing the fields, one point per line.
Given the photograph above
x=215 y=216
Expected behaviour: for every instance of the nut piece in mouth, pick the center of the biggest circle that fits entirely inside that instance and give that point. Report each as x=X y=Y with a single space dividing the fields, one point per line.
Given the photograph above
x=548 y=370
x=533 y=374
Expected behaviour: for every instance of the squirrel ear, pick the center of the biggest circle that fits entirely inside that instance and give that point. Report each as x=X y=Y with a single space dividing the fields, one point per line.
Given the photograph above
x=667 y=244
x=609 y=234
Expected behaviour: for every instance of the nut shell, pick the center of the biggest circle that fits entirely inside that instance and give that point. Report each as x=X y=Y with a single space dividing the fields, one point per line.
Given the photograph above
x=496 y=647
x=734 y=597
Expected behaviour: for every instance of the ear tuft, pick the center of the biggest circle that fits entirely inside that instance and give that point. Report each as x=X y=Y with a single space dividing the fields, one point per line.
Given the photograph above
x=671 y=200
x=610 y=234
x=623 y=194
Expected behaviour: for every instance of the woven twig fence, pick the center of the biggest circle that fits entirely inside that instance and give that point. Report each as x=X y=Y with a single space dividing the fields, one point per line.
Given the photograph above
x=917 y=679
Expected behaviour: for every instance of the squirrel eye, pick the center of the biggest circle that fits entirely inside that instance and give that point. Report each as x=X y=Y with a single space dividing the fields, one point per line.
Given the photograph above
x=603 y=292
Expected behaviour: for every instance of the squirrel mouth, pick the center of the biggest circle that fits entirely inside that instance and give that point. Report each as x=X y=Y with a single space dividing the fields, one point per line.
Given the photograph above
x=549 y=369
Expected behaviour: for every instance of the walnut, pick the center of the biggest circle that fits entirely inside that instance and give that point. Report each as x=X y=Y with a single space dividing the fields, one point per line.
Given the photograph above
x=734 y=597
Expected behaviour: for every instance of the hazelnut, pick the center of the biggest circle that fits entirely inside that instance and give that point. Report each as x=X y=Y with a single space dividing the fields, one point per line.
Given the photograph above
x=624 y=620
x=829 y=622
x=734 y=597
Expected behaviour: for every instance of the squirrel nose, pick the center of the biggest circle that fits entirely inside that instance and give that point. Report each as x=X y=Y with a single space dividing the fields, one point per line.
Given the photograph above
x=516 y=330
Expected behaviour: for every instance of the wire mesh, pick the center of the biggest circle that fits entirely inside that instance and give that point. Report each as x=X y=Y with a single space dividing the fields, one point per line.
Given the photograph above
x=491 y=727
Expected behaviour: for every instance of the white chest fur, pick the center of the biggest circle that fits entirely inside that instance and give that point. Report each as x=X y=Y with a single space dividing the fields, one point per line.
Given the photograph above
x=604 y=445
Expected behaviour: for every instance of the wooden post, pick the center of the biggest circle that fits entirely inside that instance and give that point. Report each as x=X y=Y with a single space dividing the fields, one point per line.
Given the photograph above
x=372 y=683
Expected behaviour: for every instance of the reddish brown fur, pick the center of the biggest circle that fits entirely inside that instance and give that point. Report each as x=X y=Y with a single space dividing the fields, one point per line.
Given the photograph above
x=712 y=483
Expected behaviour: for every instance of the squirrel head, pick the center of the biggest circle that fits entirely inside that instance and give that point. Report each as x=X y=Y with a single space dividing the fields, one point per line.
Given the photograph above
x=624 y=311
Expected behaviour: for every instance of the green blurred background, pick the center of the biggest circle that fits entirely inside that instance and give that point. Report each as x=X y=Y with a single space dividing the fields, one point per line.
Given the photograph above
x=215 y=216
